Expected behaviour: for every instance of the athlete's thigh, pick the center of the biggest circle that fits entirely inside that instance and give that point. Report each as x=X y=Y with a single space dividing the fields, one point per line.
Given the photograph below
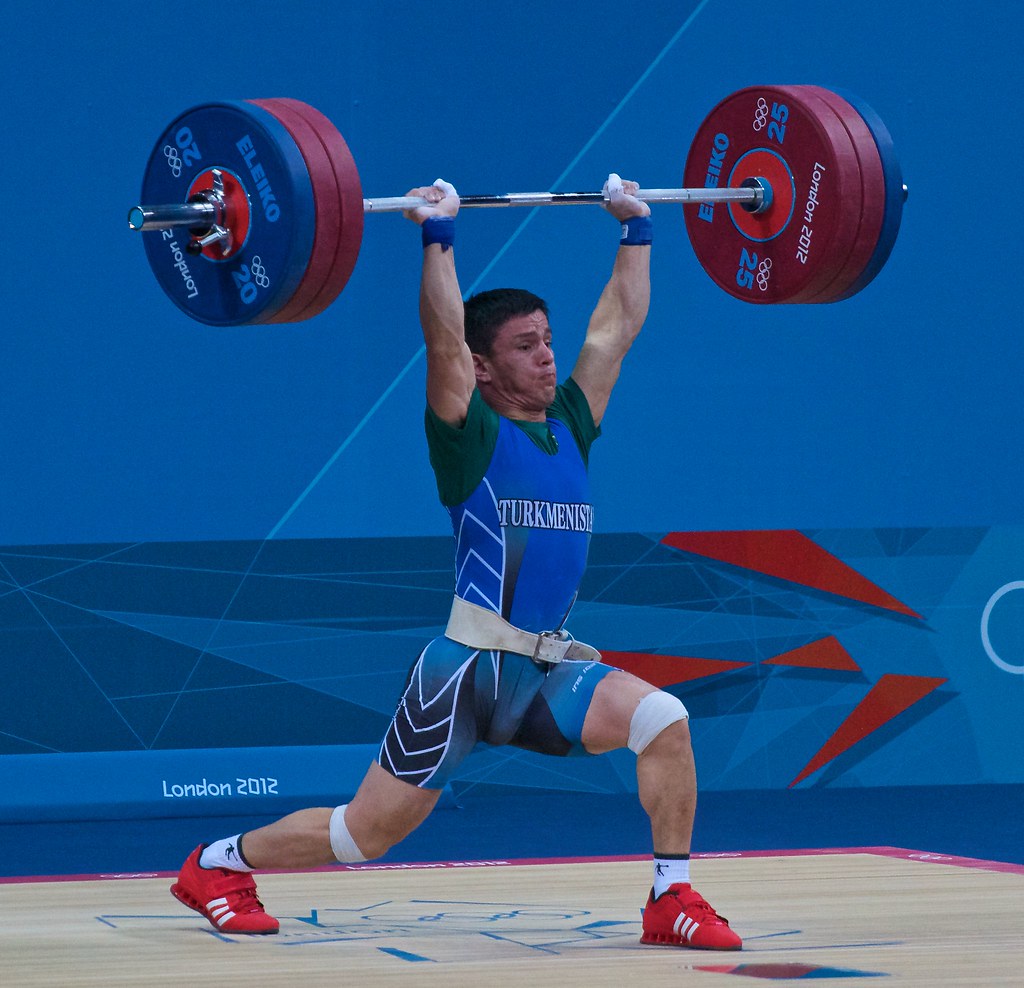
x=553 y=722
x=385 y=804
x=614 y=702
x=436 y=723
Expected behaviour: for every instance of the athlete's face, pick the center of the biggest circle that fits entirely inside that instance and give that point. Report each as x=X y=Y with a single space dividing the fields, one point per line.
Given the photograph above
x=518 y=376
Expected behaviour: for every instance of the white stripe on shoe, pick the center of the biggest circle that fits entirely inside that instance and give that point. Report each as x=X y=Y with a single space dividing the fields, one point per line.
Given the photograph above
x=219 y=910
x=685 y=927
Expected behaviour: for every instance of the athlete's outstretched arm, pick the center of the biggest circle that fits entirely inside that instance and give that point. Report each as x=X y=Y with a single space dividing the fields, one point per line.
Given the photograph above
x=622 y=308
x=450 y=374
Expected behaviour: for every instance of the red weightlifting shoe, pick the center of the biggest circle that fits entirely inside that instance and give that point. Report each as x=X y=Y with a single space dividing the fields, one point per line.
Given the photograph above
x=226 y=898
x=680 y=917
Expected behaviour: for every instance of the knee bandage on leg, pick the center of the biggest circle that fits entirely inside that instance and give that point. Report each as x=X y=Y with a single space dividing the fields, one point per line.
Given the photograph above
x=344 y=847
x=653 y=714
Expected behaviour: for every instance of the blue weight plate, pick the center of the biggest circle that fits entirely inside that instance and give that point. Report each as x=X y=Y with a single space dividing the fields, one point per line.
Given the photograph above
x=272 y=209
x=894 y=196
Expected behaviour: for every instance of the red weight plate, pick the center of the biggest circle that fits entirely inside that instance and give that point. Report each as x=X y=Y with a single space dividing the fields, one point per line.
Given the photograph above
x=350 y=192
x=873 y=195
x=895 y=193
x=830 y=254
x=791 y=251
x=327 y=209
x=836 y=258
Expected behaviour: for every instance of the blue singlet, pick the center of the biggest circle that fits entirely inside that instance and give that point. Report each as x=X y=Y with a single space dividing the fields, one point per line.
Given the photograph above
x=521 y=539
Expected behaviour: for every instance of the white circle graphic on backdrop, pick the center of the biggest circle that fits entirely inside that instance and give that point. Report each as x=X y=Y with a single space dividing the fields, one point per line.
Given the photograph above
x=986 y=614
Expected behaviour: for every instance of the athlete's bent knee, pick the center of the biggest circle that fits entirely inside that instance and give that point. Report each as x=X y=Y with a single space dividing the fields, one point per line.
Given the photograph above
x=344 y=847
x=653 y=714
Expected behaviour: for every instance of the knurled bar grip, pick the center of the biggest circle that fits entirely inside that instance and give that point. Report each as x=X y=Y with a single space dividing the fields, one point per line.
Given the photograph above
x=750 y=195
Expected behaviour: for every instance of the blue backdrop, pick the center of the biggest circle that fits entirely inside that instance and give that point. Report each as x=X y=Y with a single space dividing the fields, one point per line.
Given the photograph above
x=135 y=436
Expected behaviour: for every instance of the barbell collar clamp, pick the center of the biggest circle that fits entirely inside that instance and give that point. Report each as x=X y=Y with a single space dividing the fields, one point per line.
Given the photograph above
x=763 y=194
x=204 y=212
x=218 y=234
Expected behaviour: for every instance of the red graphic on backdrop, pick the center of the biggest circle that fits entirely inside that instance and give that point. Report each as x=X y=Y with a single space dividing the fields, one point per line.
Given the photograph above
x=792 y=556
x=787 y=555
x=825 y=653
x=890 y=696
x=668 y=670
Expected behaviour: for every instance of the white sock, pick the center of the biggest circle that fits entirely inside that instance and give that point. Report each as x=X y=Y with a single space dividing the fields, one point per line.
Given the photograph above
x=224 y=854
x=669 y=870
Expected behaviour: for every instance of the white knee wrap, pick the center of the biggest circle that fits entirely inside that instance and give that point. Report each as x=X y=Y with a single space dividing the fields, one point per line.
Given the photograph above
x=653 y=714
x=345 y=849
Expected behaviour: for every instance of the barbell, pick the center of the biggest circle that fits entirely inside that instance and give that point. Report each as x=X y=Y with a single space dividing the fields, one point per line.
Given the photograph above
x=797 y=189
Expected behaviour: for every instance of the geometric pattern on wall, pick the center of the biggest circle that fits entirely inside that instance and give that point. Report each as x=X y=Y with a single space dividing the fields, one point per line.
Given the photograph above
x=196 y=645
x=789 y=680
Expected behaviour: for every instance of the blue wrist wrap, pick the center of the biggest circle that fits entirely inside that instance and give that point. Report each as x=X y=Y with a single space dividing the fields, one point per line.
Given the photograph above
x=439 y=230
x=636 y=232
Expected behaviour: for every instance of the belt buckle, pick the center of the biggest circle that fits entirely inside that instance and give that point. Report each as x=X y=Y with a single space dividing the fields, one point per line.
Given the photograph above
x=552 y=646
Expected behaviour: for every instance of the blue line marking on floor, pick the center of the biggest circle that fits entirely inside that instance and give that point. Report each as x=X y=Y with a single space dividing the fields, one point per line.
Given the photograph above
x=404 y=954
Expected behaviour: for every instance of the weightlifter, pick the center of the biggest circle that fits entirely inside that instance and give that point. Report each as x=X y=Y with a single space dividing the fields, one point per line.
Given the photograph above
x=509 y=446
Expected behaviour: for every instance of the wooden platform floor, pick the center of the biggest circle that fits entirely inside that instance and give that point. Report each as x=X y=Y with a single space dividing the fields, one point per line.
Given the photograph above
x=862 y=915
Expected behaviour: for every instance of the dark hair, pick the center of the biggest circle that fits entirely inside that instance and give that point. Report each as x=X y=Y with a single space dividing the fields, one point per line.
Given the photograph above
x=487 y=312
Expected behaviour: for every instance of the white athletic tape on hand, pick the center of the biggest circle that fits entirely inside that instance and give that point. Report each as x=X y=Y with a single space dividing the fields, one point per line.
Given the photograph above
x=446 y=187
x=614 y=184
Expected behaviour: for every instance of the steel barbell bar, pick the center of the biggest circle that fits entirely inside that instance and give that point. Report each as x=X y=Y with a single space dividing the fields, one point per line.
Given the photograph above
x=201 y=214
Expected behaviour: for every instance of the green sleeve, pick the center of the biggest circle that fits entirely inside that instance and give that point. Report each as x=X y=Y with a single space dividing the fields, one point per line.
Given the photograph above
x=571 y=407
x=460 y=457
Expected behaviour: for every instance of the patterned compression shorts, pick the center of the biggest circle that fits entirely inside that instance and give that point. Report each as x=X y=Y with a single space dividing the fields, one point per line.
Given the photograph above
x=457 y=696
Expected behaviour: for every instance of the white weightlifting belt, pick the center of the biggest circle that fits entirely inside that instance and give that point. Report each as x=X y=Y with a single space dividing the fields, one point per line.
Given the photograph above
x=470 y=624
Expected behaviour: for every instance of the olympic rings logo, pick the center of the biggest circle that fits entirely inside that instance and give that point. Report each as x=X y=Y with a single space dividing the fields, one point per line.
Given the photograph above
x=259 y=272
x=173 y=160
x=761 y=113
x=986 y=641
x=764 y=273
